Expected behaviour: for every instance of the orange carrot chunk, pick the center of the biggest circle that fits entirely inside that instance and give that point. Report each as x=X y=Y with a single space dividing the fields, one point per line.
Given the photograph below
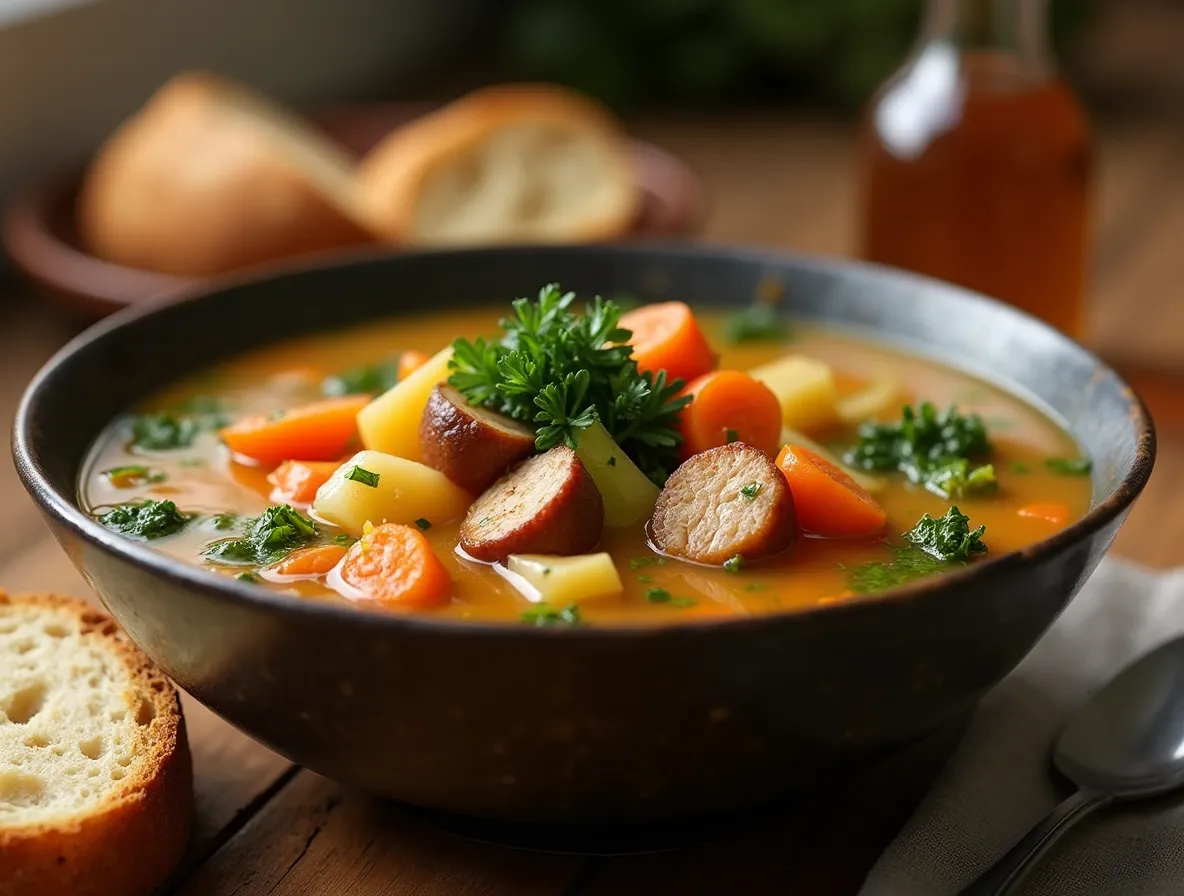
x=1050 y=512
x=409 y=362
x=667 y=337
x=310 y=561
x=729 y=406
x=319 y=431
x=394 y=565
x=827 y=500
x=297 y=481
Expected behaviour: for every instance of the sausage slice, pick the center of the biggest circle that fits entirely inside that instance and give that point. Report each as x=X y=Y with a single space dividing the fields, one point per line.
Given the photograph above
x=471 y=446
x=723 y=502
x=546 y=505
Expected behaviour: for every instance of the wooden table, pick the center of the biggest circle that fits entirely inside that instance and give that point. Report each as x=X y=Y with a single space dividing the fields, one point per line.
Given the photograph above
x=265 y=826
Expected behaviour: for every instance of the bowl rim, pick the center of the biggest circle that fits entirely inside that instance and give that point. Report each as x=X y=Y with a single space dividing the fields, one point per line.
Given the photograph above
x=66 y=512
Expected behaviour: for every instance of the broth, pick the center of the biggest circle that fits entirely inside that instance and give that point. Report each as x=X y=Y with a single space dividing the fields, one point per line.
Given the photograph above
x=204 y=479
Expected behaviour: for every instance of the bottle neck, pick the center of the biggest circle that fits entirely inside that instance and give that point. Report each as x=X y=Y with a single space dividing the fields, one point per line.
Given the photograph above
x=1013 y=27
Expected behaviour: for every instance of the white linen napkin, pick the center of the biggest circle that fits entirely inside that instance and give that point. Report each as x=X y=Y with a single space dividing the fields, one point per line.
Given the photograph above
x=1000 y=781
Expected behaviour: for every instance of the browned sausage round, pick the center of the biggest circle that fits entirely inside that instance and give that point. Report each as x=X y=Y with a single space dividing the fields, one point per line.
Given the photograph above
x=548 y=504
x=471 y=446
x=723 y=502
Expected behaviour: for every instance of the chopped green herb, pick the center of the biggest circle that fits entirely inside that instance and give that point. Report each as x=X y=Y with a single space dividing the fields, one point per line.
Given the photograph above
x=734 y=564
x=247 y=577
x=274 y=534
x=192 y=462
x=562 y=372
x=362 y=475
x=731 y=435
x=682 y=602
x=164 y=432
x=923 y=445
x=755 y=586
x=907 y=565
x=957 y=479
x=657 y=595
x=645 y=580
x=948 y=538
x=750 y=491
x=1016 y=467
x=423 y=524
x=543 y=614
x=639 y=562
x=546 y=570
x=344 y=539
x=373 y=380
x=759 y=322
x=146 y=519
x=1065 y=466
x=223 y=521
x=612 y=461
x=133 y=475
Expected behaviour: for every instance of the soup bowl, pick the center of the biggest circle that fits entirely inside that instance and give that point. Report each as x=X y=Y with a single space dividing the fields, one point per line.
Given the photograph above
x=601 y=722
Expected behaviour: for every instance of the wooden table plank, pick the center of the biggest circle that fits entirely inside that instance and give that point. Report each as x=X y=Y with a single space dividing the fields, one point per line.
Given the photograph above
x=316 y=838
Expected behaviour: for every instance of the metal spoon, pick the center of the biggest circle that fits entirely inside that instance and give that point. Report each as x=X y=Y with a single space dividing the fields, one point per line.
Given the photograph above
x=1127 y=743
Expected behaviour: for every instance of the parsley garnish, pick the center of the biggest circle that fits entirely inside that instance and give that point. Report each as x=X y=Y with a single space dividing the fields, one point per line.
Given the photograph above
x=344 y=539
x=731 y=435
x=274 y=534
x=247 y=577
x=373 y=379
x=146 y=519
x=133 y=475
x=907 y=565
x=734 y=564
x=657 y=595
x=612 y=461
x=222 y=521
x=562 y=372
x=682 y=602
x=926 y=445
x=948 y=538
x=645 y=580
x=750 y=491
x=362 y=475
x=423 y=525
x=1065 y=466
x=759 y=322
x=639 y=562
x=542 y=614
x=958 y=479
x=164 y=432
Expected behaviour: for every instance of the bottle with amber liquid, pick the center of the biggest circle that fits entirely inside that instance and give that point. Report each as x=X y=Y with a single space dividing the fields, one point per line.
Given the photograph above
x=976 y=162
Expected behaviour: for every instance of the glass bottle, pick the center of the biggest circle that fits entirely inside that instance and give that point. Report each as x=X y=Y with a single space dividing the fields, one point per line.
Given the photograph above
x=976 y=162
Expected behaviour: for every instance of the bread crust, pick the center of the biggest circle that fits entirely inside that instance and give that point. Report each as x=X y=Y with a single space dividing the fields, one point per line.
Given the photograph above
x=132 y=841
x=188 y=187
x=391 y=176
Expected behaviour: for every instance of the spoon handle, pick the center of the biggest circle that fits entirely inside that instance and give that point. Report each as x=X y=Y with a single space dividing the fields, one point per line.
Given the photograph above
x=1001 y=878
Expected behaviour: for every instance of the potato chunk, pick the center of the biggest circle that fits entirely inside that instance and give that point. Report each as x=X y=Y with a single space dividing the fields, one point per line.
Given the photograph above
x=805 y=387
x=568 y=580
x=390 y=423
x=380 y=488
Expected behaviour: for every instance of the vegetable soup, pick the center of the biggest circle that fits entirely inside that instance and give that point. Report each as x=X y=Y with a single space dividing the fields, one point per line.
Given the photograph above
x=566 y=463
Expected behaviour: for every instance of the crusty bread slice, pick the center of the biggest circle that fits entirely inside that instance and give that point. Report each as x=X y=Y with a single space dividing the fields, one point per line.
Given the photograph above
x=211 y=177
x=511 y=163
x=96 y=781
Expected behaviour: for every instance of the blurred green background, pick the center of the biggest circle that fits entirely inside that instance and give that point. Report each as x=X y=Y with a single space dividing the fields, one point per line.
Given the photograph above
x=635 y=53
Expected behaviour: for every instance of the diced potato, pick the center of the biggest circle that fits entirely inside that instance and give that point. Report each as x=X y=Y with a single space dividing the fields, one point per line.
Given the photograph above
x=390 y=423
x=805 y=387
x=881 y=394
x=870 y=483
x=568 y=580
x=406 y=491
x=629 y=495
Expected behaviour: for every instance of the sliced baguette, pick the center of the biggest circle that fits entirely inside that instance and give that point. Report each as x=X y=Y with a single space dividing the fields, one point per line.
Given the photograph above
x=511 y=163
x=211 y=177
x=96 y=781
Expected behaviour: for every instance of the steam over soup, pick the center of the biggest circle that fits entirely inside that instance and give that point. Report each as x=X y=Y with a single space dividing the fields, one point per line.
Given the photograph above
x=566 y=464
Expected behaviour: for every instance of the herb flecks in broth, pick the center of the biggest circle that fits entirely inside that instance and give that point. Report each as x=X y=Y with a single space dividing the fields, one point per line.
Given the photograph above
x=759 y=322
x=267 y=539
x=543 y=614
x=373 y=379
x=146 y=519
x=935 y=546
x=1065 y=466
x=949 y=537
x=562 y=372
x=133 y=475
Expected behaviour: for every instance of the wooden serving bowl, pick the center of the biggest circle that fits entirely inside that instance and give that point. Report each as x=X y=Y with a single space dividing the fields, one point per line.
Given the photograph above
x=601 y=723
x=39 y=236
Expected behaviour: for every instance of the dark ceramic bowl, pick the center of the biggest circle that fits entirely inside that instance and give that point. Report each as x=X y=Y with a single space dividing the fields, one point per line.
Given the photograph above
x=595 y=723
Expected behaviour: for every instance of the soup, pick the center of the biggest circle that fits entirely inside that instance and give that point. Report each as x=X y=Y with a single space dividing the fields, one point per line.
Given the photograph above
x=798 y=467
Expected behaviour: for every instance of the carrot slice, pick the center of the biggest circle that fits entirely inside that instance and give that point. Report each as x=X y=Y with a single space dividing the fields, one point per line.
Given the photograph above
x=827 y=500
x=667 y=337
x=310 y=561
x=1050 y=512
x=319 y=431
x=729 y=406
x=297 y=481
x=394 y=565
x=411 y=361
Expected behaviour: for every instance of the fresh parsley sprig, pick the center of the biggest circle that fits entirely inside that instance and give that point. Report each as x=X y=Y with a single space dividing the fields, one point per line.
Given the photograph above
x=561 y=372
